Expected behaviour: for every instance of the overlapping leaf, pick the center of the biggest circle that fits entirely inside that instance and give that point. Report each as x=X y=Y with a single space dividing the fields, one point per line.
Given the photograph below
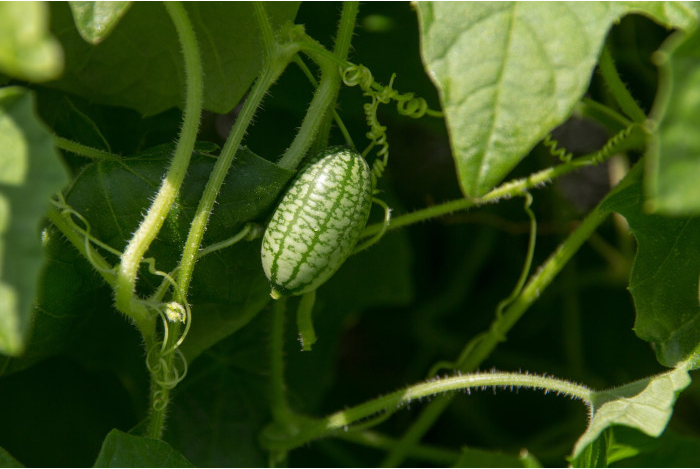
x=136 y=66
x=674 y=161
x=113 y=195
x=123 y=450
x=645 y=405
x=95 y=20
x=27 y=49
x=665 y=275
x=30 y=172
x=6 y=459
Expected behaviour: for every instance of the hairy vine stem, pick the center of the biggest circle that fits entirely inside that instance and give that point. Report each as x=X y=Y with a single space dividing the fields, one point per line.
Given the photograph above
x=163 y=372
x=477 y=350
x=153 y=221
x=274 y=63
x=342 y=420
x=315 y=116
x=341 y=48
x=516 y=188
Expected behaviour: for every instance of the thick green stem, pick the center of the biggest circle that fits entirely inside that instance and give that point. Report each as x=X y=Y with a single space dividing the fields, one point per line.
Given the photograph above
x=269 y=75
x=340 y=50
x=166 y=196
x=343 y=419
x=318 y=115
x=338 y=121
x=314 y=117
x=164 y=199
x=484 y=344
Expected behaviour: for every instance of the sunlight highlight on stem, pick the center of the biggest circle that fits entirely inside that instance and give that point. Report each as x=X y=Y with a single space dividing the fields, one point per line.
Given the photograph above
x=482 y=345
x=342 y=419
x=150 y=226
x=272 y=69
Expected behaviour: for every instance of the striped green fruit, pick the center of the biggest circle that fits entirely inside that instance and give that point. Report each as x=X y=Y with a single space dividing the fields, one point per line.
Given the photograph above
x=318 y=222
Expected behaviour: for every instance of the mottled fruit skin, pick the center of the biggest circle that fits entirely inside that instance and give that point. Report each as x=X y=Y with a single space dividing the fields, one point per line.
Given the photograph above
x=318 y=222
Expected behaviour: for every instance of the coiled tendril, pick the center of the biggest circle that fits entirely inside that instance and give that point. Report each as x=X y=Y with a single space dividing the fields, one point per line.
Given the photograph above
x=165 y=374
x=406 y=105
x=566 y=156
x=552 y=145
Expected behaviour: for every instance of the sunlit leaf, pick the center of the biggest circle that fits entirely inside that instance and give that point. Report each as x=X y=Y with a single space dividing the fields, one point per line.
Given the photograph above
x=645 y=405
x=509 y=72
x=27 y=50
x=95 y=20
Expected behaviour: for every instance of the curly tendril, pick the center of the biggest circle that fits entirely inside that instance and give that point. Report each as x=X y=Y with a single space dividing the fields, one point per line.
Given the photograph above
x=407 y=104
x=163 y=374
x=555 y=150
x=166 y=372
x=601 y=155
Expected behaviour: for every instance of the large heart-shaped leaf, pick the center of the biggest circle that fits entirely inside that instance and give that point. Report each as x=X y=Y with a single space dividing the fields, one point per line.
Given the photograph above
x=137 y=65
x=509 y=72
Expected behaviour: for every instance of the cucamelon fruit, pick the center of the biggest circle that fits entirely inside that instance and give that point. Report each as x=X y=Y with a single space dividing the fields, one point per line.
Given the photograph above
x=318 y=222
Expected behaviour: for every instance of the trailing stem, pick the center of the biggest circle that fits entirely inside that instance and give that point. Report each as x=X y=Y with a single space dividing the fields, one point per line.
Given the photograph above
x=482 y=345
x=517 y=188
x=342 y=420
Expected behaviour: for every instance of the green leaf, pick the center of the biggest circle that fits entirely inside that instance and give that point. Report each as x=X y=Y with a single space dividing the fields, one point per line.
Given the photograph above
x=27 y=50
x=634 y=449
x=620 y=446
x=140 y=65
x=123 y=450
x=674 y=160
x=227 y=422
x=680 y=15
x=509 y=72
x=6 y=459
x=664 y=278
x=30 y=172
x=645 y=405
x=41 y=433
x=96 y=20
x=70 y=294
